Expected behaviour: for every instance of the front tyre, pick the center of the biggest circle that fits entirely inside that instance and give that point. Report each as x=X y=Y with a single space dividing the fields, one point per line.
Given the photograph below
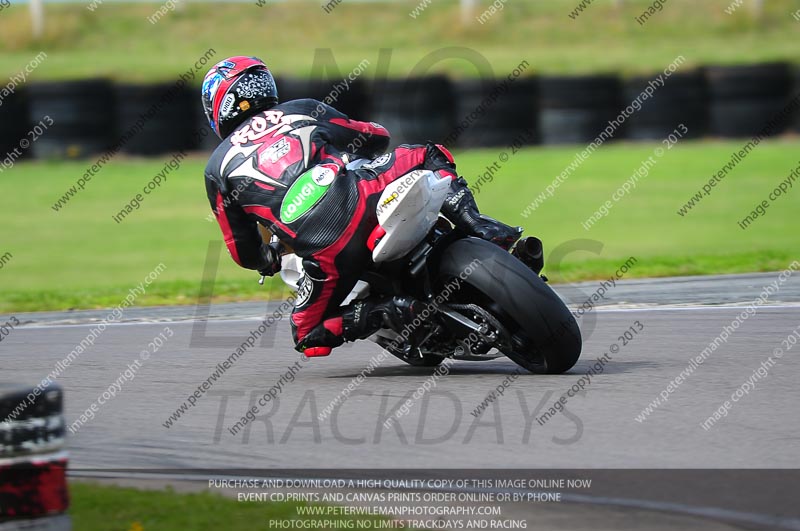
x=545 y=337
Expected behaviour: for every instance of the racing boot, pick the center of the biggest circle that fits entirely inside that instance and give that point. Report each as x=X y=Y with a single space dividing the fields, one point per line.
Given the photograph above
x=360 y=320
x=363 y=318
x=460 y=208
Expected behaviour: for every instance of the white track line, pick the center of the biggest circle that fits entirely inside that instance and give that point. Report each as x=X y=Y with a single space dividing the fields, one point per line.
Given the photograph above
x=792 y=306
x=138 y=323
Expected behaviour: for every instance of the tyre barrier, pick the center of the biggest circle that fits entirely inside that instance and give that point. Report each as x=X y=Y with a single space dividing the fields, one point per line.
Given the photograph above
x=33 y=463
x=37 y=404
x=745 y=99
x=14 y=117
x=414 y=110
x=351 y=99
x=574 y=110
x=495 y=113
x=204 y=139
x=795 y=94
x=82 y=115
x=681 y=100
x=91 y=116
x=157 y=119
x=32 y=436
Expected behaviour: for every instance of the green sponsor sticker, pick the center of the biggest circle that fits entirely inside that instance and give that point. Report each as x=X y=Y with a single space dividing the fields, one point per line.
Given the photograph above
x=306 y=192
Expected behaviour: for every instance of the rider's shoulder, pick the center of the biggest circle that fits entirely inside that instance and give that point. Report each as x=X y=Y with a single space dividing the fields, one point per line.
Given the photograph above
x=311 y=107
x=298 y=104
x=212 y=169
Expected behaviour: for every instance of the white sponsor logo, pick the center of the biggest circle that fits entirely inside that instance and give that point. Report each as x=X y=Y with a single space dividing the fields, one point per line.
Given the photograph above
x=380 y=161
x=303 y=292
x=275 y=152
x=322 y=175
x=227 y=105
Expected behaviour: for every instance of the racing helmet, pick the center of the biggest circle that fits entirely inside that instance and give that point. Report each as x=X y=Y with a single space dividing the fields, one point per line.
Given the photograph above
x=235 y=89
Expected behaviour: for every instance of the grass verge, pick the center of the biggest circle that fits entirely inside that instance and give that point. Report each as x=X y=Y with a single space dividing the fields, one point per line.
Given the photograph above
x=108 y=508
x=116 y=39
x=79 y=257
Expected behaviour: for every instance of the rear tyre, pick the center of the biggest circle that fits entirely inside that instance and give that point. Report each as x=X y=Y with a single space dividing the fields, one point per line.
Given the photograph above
x=545 y=338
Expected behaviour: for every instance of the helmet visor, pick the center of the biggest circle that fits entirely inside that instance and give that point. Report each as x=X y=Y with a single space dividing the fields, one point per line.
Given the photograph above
x=210 y=85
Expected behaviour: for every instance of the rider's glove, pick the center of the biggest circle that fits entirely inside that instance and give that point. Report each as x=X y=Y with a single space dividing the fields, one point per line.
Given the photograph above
x=272 y=258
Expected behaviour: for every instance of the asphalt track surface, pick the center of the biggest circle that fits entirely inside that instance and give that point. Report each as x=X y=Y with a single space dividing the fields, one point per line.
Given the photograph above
x=597 y=431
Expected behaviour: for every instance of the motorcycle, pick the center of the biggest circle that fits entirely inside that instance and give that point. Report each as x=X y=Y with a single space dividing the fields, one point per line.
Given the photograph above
x=482 y=302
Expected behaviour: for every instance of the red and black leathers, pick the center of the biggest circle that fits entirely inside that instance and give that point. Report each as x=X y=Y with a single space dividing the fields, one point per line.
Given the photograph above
x=250 y=178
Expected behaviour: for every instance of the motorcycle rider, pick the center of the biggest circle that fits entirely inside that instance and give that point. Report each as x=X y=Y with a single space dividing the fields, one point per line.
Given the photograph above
x=283 y=165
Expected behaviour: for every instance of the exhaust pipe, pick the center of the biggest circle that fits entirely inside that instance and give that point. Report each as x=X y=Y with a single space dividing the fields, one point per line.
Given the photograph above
x=530 y=252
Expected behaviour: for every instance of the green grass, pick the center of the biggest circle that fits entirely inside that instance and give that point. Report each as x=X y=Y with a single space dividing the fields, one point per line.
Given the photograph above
x=117 y=40
x=80 y=258
x=645 y=223
x=106 y=508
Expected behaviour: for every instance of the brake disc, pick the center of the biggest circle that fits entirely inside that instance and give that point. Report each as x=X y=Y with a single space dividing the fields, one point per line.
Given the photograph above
x=491 y=332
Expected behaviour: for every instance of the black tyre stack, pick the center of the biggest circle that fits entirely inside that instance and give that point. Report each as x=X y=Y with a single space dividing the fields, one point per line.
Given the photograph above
x=33 y=463
x=745 y=99
x=414 y=110
x=681 y=100
x=574 y=110
x=352 y=100
x=92 y=116
x=796 y=100
x=204 y=139
x=506 y=112
x=166 y=113
x=82 y=113
x=14 y=120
